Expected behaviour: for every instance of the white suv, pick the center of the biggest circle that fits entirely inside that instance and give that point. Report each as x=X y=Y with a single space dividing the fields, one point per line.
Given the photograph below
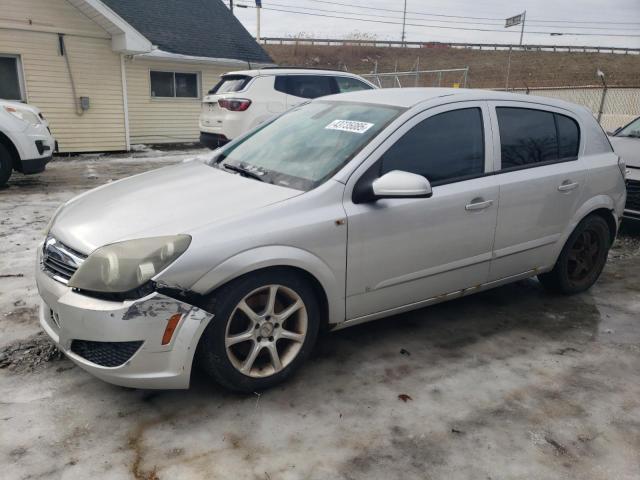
x=26 y=143
x=244 y=99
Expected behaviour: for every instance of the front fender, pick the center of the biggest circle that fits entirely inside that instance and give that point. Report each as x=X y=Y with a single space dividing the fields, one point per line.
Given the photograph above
x=15 y=138
x=278 y=256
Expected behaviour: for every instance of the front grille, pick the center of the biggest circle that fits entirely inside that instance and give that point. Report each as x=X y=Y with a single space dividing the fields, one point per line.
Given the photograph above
x=105 y=354
x=633 y=195
x=60 y=261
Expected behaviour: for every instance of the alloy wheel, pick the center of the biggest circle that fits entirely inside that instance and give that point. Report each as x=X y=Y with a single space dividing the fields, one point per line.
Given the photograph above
x=266 y=331
x=583 y=256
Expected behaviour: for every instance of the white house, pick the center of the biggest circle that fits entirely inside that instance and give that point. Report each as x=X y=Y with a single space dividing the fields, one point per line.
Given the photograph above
x=111 y=73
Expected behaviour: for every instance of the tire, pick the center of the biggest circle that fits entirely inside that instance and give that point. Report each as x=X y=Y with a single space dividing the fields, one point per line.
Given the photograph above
x=6 y=165
x=582 y=258
x=262 y=329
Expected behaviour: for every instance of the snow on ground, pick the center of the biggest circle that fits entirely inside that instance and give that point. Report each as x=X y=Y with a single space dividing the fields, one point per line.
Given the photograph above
x=27 y=205
x=512 y=383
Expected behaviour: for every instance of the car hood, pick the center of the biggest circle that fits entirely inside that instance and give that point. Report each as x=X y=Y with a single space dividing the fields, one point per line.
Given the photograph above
x=167 y=201
x=628 y=148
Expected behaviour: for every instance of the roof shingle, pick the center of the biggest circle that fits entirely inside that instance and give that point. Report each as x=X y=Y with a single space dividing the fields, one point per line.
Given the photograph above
x=201 y=28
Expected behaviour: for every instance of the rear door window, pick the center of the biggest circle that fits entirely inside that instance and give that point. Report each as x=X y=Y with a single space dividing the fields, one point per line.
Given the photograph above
x=444 y=148
x=348 y=84
x=529 y=137
x=568 y=137
x=306 y=86
x=230 y=83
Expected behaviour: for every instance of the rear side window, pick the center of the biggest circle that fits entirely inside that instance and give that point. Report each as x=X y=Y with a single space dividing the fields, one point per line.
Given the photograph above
x=348 y=84
x=568 y=137
x=306 y=86
x=230 y=83
x=529 y=136
x=443 y=148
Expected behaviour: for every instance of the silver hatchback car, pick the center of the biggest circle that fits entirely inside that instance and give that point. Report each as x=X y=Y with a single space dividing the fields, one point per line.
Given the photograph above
x=343 y=210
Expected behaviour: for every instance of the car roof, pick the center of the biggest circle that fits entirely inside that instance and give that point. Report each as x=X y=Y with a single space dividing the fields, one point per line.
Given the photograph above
x=410 y=97
x=290 y=71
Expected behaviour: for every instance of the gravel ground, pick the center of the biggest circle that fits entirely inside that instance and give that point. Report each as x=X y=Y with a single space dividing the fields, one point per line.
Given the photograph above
x=513 y=383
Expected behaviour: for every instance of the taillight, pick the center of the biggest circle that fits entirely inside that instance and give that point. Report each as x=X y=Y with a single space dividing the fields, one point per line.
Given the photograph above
x=234 y=104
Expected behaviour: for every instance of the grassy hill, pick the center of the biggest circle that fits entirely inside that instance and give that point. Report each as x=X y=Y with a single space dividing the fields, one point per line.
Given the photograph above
x=487 y=68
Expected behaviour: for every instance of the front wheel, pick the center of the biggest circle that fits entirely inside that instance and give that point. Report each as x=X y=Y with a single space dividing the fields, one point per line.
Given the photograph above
x=582 y=258
x=264 y=327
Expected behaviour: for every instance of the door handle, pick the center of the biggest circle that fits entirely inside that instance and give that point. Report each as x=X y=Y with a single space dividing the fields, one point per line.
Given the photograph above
x=567 y=186
x=478 y=204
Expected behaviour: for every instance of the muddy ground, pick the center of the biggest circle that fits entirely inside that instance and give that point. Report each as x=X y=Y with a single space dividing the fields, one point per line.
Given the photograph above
x=513 y=383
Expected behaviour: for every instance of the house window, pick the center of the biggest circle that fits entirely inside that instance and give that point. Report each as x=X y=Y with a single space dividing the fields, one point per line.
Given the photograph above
x=11 y=86
x=174 y=85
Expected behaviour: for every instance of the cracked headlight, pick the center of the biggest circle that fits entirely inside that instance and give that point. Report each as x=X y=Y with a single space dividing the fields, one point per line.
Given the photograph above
x=125 y=266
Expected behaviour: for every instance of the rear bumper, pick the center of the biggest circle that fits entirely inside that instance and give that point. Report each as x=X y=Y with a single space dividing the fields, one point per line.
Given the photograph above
x=121 y=342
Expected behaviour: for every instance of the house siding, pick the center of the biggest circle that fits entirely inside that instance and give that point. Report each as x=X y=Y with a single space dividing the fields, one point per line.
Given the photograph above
x=57 y=16
x=165 y=120
x=95 y=67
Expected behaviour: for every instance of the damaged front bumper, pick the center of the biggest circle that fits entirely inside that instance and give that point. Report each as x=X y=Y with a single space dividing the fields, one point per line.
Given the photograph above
x=121 y=342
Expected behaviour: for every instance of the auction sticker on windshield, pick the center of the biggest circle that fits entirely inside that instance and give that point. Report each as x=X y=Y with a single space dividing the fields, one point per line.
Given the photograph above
x=349 y=126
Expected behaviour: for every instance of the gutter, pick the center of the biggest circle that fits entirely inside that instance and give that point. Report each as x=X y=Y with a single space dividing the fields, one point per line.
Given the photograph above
x=125 y=103
x=157 y=54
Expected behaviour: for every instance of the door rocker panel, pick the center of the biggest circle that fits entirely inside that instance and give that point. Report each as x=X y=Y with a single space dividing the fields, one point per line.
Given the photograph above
x=437 y=299
x=465 y=262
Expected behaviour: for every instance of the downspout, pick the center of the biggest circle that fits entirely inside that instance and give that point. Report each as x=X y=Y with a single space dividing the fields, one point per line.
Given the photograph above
x=125 y=103
x=63 y=52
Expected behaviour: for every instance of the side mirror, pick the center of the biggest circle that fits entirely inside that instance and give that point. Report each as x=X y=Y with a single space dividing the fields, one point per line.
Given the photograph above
x=399 y=184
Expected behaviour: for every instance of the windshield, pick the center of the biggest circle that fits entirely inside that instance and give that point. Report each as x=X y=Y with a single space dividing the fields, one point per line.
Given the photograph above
x=307 y=145
x=631 y=130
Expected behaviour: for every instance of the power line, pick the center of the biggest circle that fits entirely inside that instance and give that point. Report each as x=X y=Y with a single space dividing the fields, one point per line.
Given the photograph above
x=501 y=23
x=441 y=26
x=400 y=11
x=466 y=16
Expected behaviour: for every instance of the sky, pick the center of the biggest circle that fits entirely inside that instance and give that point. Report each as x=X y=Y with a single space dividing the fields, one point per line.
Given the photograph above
x=617 y=20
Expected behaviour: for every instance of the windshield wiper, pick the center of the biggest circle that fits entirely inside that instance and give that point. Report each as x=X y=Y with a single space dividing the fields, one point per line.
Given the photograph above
x=243 y=171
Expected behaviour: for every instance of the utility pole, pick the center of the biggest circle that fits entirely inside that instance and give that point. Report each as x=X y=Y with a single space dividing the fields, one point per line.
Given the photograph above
x=258 y=8
x=517 y=20
x=231 y=6
x=404 y=22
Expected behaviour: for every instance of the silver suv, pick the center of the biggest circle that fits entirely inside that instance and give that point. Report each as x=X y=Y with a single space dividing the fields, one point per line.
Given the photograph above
x=343 y=210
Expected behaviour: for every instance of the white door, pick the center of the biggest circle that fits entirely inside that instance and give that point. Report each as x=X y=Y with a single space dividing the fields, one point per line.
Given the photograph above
x=541 y=179
x=403 y=251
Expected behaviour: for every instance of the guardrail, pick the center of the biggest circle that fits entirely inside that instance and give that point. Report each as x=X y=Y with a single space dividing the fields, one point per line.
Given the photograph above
x=437 y=45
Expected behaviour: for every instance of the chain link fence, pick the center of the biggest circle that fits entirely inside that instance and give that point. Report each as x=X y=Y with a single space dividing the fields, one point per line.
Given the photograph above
x=454 y=77
x=613 y=106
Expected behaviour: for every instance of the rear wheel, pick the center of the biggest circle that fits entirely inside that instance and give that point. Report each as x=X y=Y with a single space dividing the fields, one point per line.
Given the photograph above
x=582 y=258
x=264 y=327
x=6 y=165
